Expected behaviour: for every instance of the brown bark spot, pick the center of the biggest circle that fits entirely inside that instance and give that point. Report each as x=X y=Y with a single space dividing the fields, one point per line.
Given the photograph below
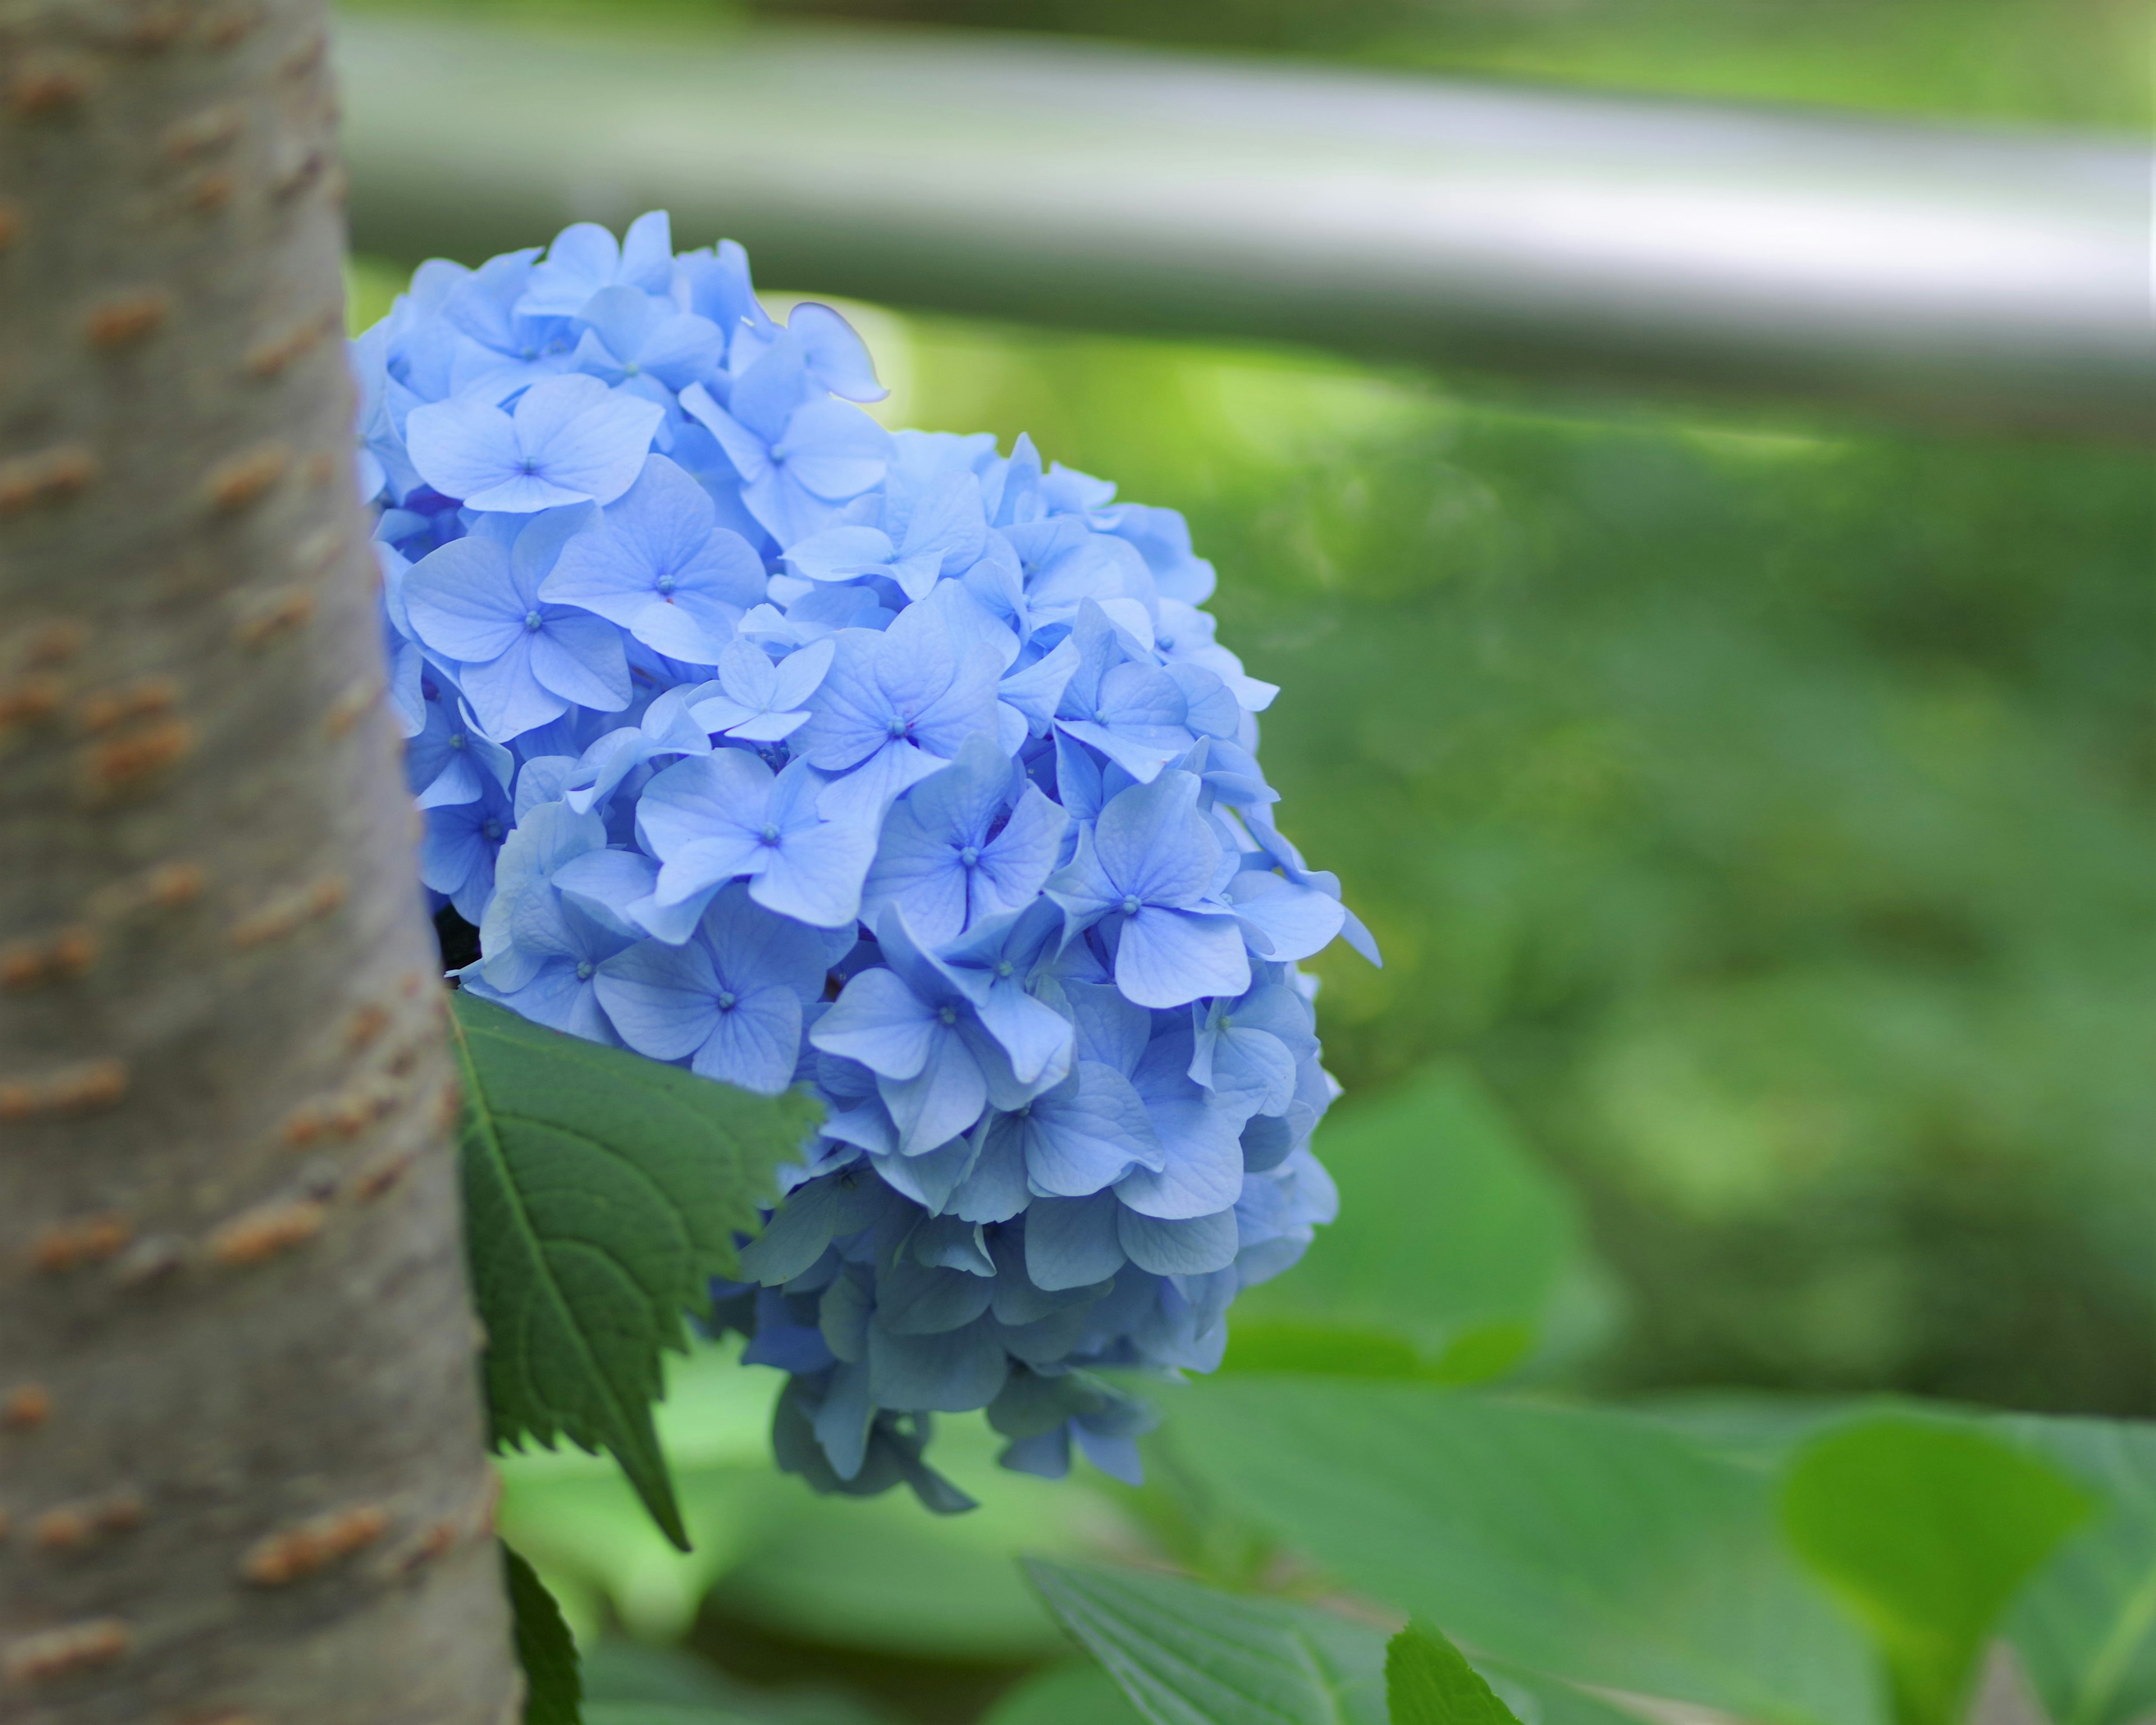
x=138 y=700
x=246 y=478
x=27 y=963
x=322 y=468
x=255 y=1237
x=170 y=885
x=207 y=194
x=299 y=1551
x=274 y=351
x=365 y=1027
x=349 y=708
x=93 y=1084
x=126 y=318
x=383 y=1174
x=48 y=477
x=203 y=131
x=26 y=1407
x=46 y=86
x=358 y=1107
x=59 y=1652
x=274 y=616
x=294 y=176
x=134 y=761
x=302 y=1127
x=31 y=699
x=71 y=1527
x=90 y=1241
x=448 y=1105
x=306 y=58
x=289 y=911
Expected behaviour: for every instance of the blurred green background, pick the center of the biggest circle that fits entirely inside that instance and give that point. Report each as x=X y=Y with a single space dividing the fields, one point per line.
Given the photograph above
x=1755 y=811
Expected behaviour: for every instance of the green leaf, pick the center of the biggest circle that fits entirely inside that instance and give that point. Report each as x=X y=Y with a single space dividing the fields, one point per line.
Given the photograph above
x=553 y=1688
x=602 y=1191
x=1451 y=1248
x=1066 y=1694
x=2086 y=1624
x=1586 y=1546
x=1427 y=1682
x=1186 y=1655
x=1925 y=1528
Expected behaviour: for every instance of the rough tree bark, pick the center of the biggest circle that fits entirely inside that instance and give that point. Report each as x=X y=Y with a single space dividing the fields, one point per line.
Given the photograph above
x=240 y=1452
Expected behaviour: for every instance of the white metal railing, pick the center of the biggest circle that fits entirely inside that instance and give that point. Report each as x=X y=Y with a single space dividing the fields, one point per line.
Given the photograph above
x=1989 y=278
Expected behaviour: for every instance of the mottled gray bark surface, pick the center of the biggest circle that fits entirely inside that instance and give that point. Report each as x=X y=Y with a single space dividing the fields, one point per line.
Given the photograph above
x=240 y=1454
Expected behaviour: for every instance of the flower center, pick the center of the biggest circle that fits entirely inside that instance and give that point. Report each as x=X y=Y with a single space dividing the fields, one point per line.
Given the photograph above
x=583 y=970
x=528 y=465
x=456 y=739
x=1129 y=904
x=664 y=583
x=949 y=1014
x=1005 y=967
x=898 y=726
x=727 y=999
x=532 y=622
x=493 y=830
x=769 y=835
x=969 y=855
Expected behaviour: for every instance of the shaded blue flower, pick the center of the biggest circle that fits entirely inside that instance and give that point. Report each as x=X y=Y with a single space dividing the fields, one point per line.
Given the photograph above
x=520 y=661
x=896 y=705
x=973 y=840
x=729 y=1000
x=944 y=534
x=1149 y=866
x=585 y=259
x=660 y=566
x=758 y=700
x=1132 y=711
x=457 y=852
x=937 y=1066
x=1070 y=1074
x=798 y=457
x=629 y=334
x=727 y=816
x=570 y=440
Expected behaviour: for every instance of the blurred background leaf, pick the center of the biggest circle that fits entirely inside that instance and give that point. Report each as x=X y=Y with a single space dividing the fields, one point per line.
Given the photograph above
x=1188 y=1654
x=1926 y=1529
x=1586 y=1546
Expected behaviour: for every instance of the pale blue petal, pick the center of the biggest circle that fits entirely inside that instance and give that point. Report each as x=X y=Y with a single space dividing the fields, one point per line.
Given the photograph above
x=1171 y=957
x=1192 y=1247
x=882 y=1023
x=1073 y=1242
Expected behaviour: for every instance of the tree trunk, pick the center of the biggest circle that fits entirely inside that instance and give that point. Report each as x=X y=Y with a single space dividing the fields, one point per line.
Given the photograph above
x=240 y=1454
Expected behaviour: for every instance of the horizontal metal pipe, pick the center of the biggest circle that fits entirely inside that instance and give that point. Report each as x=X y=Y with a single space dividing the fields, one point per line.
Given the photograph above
x=1988 y=279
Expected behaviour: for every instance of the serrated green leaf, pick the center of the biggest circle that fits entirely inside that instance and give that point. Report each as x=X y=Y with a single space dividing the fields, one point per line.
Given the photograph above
x=1187 y=1655
x=1588 y=1546
x=553 y=1688
x=602 y=1191
x=1925 y=1528
x=1427 y=1682
x=2086 y=1624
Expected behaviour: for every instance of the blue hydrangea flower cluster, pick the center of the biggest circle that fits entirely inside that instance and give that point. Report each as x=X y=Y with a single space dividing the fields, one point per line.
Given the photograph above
x=765 y=741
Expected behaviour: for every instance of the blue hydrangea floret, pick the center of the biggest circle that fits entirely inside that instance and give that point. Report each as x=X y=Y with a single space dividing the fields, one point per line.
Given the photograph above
x=760 y=739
